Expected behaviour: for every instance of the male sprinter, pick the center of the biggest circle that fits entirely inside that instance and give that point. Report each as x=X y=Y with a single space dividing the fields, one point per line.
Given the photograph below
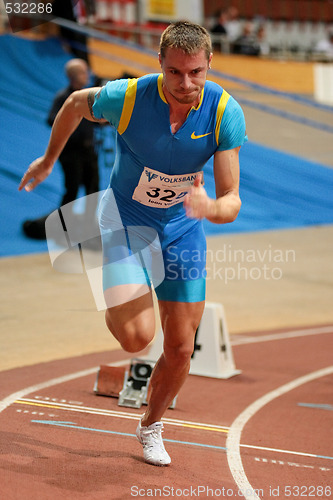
x=168 y=126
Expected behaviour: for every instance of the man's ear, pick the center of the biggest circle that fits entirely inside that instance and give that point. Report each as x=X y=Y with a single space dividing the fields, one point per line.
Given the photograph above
x=160 y=58
x=210 y=60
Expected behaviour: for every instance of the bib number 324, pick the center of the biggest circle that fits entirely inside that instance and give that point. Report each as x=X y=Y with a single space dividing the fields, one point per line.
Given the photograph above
x=161 y=190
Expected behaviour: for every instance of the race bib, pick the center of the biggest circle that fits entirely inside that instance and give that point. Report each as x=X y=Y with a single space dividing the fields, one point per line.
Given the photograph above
x=159 y=190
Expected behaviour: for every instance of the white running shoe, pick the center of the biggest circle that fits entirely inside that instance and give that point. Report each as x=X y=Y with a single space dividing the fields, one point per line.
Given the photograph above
x=153 y=448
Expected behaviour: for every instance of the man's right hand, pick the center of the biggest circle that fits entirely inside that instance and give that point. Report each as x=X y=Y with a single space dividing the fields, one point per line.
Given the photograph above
x=36 y=173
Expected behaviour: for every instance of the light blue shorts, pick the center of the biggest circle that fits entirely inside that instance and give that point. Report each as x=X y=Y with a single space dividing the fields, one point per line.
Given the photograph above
x=145 y=247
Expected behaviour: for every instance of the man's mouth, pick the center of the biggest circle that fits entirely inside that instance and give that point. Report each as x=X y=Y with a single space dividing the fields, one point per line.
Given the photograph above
x=186 y=92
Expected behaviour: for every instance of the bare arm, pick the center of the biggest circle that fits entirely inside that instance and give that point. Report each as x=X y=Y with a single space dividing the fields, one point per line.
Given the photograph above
x=227 y=204
x=77 y=106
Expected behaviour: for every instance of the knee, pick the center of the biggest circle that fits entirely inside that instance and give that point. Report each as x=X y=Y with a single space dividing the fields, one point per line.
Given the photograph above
x=179 y=354
x=132 y=338
x=134 y=342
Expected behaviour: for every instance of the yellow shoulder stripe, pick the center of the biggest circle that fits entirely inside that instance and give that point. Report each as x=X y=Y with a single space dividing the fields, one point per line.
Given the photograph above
x=129 y=101
x=160 y=89
x=219 y=113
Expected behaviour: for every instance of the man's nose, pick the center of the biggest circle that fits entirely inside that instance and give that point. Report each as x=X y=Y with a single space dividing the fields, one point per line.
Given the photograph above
x=185 y=82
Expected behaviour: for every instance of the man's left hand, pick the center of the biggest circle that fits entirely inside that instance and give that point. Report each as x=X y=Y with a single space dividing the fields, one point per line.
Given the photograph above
x=197 y=203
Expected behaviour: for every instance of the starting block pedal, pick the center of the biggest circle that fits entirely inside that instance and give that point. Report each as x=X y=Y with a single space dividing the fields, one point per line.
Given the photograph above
x=110 y=380
x=129 y=385
x=136 y=381
x=134 y=393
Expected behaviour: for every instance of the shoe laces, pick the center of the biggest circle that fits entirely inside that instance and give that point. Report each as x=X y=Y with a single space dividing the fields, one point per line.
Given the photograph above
x=152 y=437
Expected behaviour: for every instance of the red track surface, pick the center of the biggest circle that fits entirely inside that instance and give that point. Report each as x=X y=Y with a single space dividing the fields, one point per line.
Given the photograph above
x=61 y=441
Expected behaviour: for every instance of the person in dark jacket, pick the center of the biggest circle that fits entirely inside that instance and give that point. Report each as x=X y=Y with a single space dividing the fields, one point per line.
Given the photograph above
x=79 y=160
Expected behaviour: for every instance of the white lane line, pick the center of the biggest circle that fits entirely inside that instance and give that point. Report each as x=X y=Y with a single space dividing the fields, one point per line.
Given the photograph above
x=235 y=431
x=296 y=465
x=119 y=414
x=242 y=340
x=54 y=381
x=235 y=340
x=286 y=452
x=170 y=421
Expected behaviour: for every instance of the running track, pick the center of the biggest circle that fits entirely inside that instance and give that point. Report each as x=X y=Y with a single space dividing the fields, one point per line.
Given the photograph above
x=266 y=432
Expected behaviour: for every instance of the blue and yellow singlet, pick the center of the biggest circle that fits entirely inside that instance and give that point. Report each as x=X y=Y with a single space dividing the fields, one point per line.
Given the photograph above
x=155 y=168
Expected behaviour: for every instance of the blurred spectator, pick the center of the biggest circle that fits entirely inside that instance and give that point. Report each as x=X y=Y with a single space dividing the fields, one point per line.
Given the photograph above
x=325 y=47
x=233 y=25
x=90 y=6
x=220 y=25
x=78 y=159
x=219 y=31
x=247 y=44
x=65 y=9
x=262 y=41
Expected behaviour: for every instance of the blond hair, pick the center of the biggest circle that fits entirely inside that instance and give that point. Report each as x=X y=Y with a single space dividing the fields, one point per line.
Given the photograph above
x=186 y=36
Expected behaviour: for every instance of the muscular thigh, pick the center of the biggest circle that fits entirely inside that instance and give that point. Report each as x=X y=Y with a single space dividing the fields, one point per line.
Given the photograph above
x=180 y=321
x=136 y=315
x=185 y=266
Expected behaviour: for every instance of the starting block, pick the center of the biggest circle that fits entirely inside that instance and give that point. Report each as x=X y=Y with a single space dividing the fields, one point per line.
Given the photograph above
x=129 y=385
x=136 y=381
x=109 y=381
x=212 y=355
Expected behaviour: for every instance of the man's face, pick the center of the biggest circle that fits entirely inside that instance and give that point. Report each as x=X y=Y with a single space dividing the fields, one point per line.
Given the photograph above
x=184 y=76
x=80 y=77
